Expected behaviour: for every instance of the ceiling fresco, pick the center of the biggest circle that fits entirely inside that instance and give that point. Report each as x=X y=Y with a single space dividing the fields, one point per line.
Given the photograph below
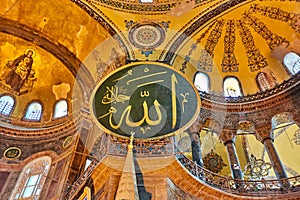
x=27 y=70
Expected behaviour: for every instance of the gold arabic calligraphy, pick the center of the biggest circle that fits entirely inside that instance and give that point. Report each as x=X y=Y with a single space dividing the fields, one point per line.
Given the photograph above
x=112 y=95
x=117 y=94
x=126 y=113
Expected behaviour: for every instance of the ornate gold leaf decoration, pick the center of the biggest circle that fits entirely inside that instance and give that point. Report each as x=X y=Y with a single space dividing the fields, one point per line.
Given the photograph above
x=257 y=168
x=213 y=162
x=256 y=60
x=272 y=39
x=292 y=19
x=229 y=62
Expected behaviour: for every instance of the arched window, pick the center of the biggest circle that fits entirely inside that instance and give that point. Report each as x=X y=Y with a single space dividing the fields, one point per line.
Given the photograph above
x=61 y=109
x=32 y=179
x=232 y=87
x=34 y=111
x=201 y=82
x=264 y=81
x=292 y=61
x=6 y=105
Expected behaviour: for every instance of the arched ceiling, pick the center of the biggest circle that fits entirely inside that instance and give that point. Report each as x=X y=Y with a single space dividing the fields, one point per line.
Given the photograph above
x=82 y=38
x=60 y=47
x=242 y=38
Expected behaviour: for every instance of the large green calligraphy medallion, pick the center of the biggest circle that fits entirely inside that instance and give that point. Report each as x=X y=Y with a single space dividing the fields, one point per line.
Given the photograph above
x=150 y=99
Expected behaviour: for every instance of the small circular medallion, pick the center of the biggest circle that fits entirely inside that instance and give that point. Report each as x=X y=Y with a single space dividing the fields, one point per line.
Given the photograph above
x=67 y=142
x=146 y=36
x=12 y=153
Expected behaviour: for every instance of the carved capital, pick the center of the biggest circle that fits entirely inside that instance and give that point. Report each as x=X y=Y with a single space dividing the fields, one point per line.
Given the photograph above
x=212 y=125
x=264 y=133
x=282 y=119
x=245 y=127
x=196 y=127
x=227 y=136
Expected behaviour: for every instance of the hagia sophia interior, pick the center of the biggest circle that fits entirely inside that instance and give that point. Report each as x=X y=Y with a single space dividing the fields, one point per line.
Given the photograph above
x=149 y=99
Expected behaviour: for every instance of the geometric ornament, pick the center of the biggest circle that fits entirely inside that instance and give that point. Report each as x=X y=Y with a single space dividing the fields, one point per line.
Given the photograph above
x=213 y=162
x=229 y=62
x=257 y=168
x=146 y=36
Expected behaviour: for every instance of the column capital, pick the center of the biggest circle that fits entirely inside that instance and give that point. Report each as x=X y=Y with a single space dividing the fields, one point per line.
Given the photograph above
x=212 y=125
x=264 y=133
x=196 y=127
x=227 y=136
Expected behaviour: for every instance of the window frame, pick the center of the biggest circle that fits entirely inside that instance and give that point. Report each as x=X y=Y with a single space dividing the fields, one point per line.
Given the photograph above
x=54 y=108
x=29 y=171
x=27 y=110
x=239 y=84
x=208 y=81
x=12 y=107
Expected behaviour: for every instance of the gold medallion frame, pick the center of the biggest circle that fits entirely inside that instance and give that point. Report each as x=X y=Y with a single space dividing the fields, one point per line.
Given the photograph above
x=197 y=111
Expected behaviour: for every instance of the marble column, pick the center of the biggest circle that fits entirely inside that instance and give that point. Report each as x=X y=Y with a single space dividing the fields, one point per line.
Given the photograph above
x=194 y=131
x=228 y=139
x=265 y=137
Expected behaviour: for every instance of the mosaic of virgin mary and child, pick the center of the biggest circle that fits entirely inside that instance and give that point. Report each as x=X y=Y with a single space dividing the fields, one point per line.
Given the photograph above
x=19 y=74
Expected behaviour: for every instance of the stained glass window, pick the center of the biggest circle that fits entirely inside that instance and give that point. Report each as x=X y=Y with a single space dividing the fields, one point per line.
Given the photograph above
x=6 y=105
x=34 y=111
x=61 y=109
x=232 y=87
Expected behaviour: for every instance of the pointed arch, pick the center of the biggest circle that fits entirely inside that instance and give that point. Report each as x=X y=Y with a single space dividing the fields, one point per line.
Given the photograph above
x=60 y=109
x=6 y=105
x=232 y=87
x=34 y=111
x=202 y=82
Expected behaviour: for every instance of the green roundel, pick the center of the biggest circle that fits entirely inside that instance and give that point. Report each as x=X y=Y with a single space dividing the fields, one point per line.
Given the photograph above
x=150 y=99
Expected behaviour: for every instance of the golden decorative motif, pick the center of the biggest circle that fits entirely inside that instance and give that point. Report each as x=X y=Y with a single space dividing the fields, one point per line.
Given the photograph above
x=296 y=137
x=12 y=153
x=245 y=127
x=256 y=60
x=202 y=61
x=293 y=19
x=229 y=62
x=272 y=39
x=282 y=119
x=257 y=168
x=213 y=162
